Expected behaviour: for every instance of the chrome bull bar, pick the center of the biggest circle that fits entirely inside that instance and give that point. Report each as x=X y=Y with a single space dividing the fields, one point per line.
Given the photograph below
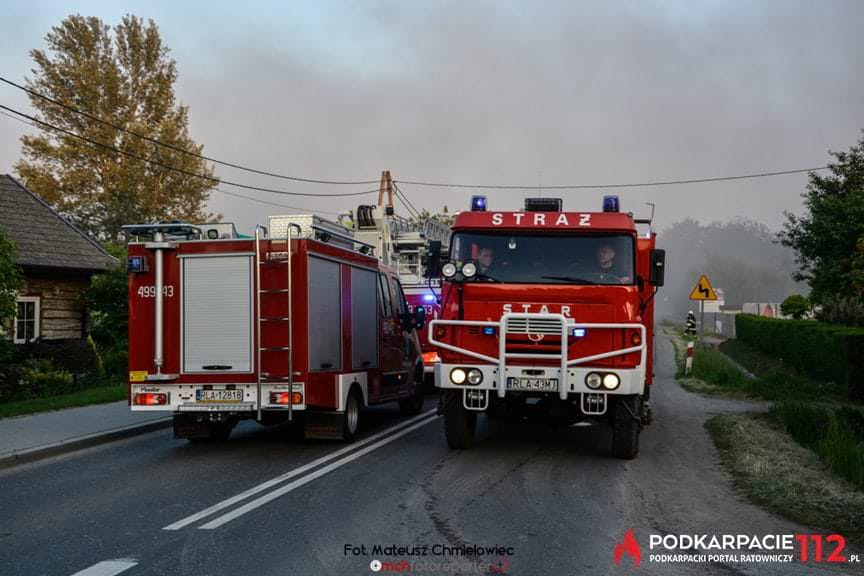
x=540 y=324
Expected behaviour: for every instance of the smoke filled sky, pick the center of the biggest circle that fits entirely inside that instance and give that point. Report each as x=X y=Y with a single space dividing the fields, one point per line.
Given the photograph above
x=500 y=93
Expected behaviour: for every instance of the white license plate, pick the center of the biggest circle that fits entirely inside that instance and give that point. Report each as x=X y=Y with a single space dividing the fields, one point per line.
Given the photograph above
x=219 y=395
x=533 y=384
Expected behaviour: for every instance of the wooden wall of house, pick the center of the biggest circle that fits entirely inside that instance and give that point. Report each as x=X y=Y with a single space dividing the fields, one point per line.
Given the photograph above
x=61 y=310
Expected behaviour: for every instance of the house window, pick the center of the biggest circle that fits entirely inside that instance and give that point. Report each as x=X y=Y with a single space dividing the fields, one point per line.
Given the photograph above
x=27 y=319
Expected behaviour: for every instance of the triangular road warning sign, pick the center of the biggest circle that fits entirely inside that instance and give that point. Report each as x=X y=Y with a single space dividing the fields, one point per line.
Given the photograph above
x=703 y=290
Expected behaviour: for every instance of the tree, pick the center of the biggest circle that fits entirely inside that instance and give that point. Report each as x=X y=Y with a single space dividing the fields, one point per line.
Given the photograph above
x=829 y=238
x=10 y=278
x=796 y=306
x=124 y=77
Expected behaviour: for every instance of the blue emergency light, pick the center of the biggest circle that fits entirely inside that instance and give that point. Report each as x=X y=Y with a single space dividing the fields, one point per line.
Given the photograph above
x=478 y=203
x=488 y=330
x=579 y=332
x=611 y=204
x=428 y=298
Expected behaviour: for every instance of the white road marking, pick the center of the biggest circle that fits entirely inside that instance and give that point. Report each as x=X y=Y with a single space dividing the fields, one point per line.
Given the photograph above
x=270 y=496
x=107 y=568
x=288 y=475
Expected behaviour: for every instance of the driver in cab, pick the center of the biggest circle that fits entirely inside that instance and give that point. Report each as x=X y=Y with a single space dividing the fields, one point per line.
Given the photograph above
x=607 y=266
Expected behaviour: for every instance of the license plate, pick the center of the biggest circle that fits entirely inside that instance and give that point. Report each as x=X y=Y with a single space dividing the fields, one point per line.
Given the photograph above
x=533 y=384
x=219 y=395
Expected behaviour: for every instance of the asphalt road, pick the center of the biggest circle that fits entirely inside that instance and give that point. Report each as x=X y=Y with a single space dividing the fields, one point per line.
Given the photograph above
x=268 y=503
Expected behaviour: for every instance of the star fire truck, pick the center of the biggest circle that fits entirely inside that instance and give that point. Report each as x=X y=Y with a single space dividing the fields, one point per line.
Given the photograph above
x=302 y=320
x=551 y=313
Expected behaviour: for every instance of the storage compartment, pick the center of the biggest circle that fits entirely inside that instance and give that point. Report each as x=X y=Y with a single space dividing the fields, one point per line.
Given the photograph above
x=364 y=319
x=325 y=315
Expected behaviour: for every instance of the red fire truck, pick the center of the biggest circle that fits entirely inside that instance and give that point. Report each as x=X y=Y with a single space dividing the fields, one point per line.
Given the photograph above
x=301 y=322
x=551 y=313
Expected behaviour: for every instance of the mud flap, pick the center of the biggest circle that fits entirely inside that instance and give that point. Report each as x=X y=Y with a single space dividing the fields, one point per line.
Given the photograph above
x=324 y=426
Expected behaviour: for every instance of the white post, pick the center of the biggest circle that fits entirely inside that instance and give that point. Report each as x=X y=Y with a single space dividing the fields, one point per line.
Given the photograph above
x=688 y=361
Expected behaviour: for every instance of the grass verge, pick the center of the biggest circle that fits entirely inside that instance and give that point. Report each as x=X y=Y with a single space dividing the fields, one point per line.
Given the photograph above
x=774 y=471
x=100 y=395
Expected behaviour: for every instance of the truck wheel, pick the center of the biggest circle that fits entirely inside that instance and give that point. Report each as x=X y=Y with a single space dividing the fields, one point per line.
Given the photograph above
x=459 y=424
x=414 y=405
x=351 y=418
x=625 y=429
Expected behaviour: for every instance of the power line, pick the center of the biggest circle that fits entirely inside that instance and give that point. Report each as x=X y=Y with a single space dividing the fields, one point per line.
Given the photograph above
x=627 y=185
x=75 y=110
x=213 y=179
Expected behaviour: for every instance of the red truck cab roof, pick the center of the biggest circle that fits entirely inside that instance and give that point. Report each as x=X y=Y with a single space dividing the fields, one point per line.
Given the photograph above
x=552 y=221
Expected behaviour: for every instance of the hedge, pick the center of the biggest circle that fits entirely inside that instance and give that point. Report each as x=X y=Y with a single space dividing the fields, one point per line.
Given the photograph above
x=824 y=351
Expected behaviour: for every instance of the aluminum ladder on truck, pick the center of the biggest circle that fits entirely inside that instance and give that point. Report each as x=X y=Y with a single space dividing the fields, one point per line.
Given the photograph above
x=270 y=257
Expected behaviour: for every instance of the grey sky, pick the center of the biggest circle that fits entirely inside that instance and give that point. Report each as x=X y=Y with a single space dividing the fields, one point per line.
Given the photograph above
x=502 y=92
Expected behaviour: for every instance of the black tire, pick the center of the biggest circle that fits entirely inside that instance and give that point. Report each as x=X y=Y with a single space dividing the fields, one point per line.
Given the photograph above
x=625 y=429
x=460 y=424
x=414 y=404
x=351 y=418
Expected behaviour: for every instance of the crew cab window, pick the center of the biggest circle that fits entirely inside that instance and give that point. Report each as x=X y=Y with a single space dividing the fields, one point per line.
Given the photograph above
x=595 y=259
x=401 y=303
x=384 y=297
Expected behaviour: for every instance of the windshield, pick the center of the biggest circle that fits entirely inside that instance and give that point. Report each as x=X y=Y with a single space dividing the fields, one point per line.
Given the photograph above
x=547 y=259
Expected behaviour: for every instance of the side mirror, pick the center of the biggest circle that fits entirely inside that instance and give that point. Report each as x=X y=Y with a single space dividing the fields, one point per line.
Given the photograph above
x=419 y=318
x=658 y=267
x=433 y=259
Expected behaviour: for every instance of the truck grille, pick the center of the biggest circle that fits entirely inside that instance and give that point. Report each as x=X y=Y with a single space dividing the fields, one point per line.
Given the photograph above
x=534 y=326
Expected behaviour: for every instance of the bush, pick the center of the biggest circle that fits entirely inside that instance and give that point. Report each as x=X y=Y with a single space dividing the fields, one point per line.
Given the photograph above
x=796 y=306
x=835 y=433
x=823 y=351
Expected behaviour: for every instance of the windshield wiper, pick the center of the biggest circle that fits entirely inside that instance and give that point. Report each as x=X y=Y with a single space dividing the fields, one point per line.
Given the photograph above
x=572 y=279
x=480 y=276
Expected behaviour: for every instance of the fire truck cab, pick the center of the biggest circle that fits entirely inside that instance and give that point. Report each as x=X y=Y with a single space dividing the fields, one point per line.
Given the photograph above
x=550 y=313
x=302 y=322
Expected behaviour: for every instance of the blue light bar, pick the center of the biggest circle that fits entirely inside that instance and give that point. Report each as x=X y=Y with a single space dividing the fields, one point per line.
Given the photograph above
x=579 y=332
x=488 y=330
x=478 y=203
x=611 y=204
x=428 y=298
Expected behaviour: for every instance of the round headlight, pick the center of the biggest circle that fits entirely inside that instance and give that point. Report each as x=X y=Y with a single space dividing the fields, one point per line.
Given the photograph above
x=593 y=380
x=469 y=269
x=457 y=375
x=448 y=270
x=611 y=381
x=475 y=376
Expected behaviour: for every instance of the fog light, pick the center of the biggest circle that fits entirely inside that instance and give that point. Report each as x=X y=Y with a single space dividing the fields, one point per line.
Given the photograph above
x=448 y=270
x=475 y=376
x=611 y=381
x=593 y=380
x=458 y=375
x=469 y=269
x=636 y=339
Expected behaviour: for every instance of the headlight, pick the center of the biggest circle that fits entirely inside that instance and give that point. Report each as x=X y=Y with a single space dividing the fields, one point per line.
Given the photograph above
x=593 y=380
x=475 y=376
x=611 y=381
x=469 y=269
x=448 y=270
x=457 y=375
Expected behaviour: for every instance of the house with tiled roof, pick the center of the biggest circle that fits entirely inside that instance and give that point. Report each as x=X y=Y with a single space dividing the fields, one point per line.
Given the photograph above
x=57 y=261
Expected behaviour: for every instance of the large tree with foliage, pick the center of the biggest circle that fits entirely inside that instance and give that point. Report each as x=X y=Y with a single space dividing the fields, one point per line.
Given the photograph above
x=829 y=238
x=123 y=76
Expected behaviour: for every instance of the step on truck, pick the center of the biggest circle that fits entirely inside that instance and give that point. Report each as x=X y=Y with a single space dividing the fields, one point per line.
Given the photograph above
x=301 y=323
x=549 y=313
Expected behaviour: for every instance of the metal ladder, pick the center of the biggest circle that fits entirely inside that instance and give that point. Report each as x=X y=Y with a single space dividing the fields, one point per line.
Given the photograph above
x=260 y=376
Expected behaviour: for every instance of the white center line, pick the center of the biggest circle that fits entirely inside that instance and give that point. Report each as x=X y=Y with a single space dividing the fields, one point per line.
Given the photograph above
x=288 y=475
x=270 y=496
x=107 y=568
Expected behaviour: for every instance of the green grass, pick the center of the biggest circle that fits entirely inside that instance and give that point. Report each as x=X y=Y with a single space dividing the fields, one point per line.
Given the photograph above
x=100 y=395
x=774 y=471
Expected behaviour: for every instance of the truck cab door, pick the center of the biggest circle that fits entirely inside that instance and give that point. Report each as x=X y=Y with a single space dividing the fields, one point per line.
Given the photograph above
x=391 y=361
x=407 y=352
